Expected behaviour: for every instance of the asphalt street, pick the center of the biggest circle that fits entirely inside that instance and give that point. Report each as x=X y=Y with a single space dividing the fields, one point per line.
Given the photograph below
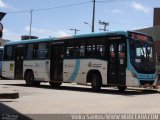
x=77 y=99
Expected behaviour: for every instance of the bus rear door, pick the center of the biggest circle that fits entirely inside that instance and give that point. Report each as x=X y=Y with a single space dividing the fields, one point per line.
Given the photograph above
x=117 y=63
x=56 y=71
x=19 y=57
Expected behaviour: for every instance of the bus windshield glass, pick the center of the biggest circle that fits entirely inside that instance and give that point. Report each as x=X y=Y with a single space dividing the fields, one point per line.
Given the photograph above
x=142 y=53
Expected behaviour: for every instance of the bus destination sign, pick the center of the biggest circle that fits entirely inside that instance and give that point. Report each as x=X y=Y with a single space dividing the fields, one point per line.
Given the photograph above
x=139 y=37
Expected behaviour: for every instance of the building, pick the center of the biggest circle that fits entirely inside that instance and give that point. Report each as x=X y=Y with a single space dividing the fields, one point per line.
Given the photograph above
x=152 y=31
x=155 y=33
x=3 y=41
x=156 y=18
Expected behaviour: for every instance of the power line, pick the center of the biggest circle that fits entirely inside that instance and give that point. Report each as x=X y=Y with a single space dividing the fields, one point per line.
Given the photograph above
x=24 y=11
x=51 y=8
x=63 y=6
x=109 y=1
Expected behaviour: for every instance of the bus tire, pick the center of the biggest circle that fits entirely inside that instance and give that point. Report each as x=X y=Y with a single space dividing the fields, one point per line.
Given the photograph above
x=55 y=84
x=96 y=82
x=29 y=78
x=122 y=88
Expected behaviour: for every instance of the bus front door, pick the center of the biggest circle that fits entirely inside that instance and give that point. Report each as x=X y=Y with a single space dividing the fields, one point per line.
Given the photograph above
x=19 y=56
x=56 y=71
x=117 y=63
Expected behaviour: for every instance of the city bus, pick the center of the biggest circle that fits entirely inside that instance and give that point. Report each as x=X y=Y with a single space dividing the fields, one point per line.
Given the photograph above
x=1 y=57
x=121 y=58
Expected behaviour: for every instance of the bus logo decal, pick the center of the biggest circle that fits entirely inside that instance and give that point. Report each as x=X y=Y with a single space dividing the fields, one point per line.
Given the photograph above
x=11 y=67
x=90 y=64
x=76 y=69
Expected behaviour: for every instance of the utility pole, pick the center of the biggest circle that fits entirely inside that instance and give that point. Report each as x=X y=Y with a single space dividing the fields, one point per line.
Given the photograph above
x=30 y=30
x=93 y=17
x=75 y=31
x=2 y=14
x=105 y=25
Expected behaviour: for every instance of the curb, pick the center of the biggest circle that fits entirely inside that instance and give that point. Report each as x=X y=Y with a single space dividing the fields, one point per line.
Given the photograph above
x=8 y=94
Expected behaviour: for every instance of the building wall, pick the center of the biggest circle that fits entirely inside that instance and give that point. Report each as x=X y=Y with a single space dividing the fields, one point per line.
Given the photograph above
x=3 y=41
x=155 y=33
x=157 y=48
x=152 y=31
x=156 y=18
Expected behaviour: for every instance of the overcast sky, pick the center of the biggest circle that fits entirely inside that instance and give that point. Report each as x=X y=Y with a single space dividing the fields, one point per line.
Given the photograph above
x=57 y=17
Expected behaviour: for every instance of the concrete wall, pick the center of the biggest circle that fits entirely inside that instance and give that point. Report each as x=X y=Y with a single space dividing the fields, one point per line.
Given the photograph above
x=156 y=18
x=3 y=41
x=152 y=31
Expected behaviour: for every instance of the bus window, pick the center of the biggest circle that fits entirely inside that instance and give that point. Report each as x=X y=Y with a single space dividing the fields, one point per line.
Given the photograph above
x=91 y=50
x=42 y=51
x=9 y=53
x=35 y=51
x=77 y=51
x=29 y=51
x=100 y=50
x=82 y=51
x=70 y=52
x=1 y=54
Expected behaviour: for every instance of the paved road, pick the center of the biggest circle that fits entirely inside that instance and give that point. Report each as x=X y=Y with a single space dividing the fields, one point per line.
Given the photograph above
x=72 y=98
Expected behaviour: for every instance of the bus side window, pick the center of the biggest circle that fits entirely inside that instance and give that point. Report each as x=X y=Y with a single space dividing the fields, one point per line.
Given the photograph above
x=8 y=55
x=158 y=59
x=42 y=51
x=77 y=51
x=35 y=51
x=88 y=51
x=82 y=51
x=29 y=51
x=100 y=50
x=70 y=52
x=91 y=51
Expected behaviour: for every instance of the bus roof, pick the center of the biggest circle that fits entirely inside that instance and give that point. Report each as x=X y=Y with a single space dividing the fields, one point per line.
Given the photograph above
x=67 y=37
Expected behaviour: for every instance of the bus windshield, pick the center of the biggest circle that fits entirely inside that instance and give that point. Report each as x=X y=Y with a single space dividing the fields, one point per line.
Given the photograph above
x=142 y=53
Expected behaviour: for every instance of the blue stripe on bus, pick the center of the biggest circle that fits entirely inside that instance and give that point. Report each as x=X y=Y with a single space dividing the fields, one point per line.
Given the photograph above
x=76 y=69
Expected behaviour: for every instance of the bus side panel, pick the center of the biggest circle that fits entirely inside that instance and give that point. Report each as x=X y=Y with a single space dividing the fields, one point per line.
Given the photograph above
x=1 y=57
x=131 y=81
x=8 y=69
x=0 y=68
x=40 y=68
x=75 y=70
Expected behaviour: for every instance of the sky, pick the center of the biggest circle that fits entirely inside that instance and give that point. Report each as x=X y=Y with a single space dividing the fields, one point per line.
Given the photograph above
x=54 y=18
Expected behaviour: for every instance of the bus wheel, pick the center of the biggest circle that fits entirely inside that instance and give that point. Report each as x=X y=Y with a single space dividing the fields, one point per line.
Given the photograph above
x=55 y=84
x=122 y=88
x=96 y=82
x=29 y=78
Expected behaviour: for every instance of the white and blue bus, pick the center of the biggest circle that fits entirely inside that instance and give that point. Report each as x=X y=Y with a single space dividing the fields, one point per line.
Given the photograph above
x=1 y=58
x=119 y=59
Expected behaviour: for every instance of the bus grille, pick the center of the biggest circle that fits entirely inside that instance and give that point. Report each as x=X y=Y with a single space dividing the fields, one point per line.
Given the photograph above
x=143 y=82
